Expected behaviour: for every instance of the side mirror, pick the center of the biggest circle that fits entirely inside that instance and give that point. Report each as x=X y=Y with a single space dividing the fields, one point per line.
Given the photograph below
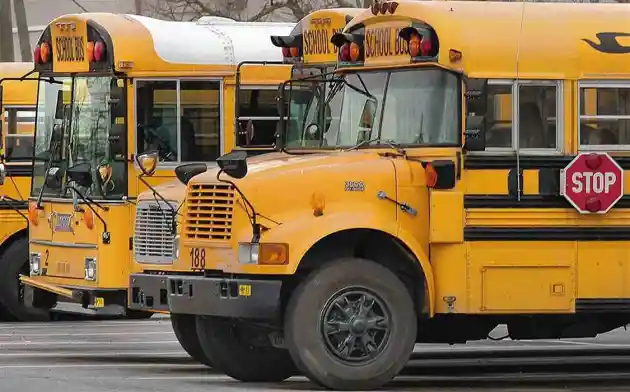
x=81 y=174
x=234 y=164
x=148 y=162
x=54 y=178
x=475 y=133
x=477 y=96
x=3 y=173
x=187 y=171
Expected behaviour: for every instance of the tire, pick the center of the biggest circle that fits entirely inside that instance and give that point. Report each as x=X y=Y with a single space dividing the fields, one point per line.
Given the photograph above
x=185 y=328
x=223 y=342
x=316 y=299
x=14 y=261
x=137 y=314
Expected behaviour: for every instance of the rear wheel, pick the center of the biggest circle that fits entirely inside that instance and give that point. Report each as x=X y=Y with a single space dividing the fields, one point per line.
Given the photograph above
x=351 y=325
x=243 y=351
x=14 y=261
x=185 y=328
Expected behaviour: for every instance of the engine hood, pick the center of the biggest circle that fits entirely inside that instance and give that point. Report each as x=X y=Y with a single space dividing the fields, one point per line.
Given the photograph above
x=172 y=190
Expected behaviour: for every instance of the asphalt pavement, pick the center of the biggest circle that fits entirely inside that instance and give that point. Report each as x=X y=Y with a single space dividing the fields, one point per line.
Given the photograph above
x=140 y=356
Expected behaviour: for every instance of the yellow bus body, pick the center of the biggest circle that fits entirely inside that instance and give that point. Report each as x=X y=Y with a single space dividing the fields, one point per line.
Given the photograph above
x=311 y=37
x=450 y=263
x=18 y=126
x=145 y=51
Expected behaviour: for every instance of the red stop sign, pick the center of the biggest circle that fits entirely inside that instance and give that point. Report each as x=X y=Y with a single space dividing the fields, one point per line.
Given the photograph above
x=592 y=183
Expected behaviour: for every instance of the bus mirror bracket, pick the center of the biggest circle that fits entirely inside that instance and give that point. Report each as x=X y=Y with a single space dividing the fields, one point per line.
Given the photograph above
x=475 y=133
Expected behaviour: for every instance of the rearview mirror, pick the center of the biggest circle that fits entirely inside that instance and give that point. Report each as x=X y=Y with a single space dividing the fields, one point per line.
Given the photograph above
x=475 y=133
x=81 y=174
x=148 y=162
x=187 y=171
x=367 y=120
x=234 y=164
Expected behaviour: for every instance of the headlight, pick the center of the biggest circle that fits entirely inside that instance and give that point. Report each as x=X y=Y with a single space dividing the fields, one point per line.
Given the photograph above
x=34 y=262
x=248 y=253
x=90 y=268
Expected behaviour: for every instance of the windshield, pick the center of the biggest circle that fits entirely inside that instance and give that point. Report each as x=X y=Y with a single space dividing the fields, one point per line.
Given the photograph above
x=75 y=127
x=410 y=107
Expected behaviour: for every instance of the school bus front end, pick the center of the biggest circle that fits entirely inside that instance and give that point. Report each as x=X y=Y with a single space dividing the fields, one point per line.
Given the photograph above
x=78 y=208
x=466 y=182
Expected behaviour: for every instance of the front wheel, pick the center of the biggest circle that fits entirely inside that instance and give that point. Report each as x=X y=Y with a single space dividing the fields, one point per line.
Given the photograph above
x=351 y=325
x=14 y=261
x=185 y=329
x=243 y=351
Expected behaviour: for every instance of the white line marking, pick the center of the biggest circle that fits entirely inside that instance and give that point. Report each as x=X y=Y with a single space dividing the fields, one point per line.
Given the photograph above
x=107 y=365
x=99 y=354
x=17 y=335
x=73 y=343
x=86 y=324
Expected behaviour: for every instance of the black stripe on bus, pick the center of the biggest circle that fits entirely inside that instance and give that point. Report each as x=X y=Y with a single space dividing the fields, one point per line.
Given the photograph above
x=19 y=170
x=20 y=205
x=488 y=233
x=479 y=162
x=527 y=201
x=602 y=305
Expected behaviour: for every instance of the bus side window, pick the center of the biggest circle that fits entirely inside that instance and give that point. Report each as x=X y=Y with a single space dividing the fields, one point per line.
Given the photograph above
x=18 y=131
x=259 y=106
x=156 y=121
x=200 y=120
x=499 y=116
x=537 y=118
x=604 y=117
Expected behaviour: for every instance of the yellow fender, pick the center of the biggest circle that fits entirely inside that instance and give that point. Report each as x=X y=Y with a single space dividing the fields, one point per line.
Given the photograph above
x=306 y=232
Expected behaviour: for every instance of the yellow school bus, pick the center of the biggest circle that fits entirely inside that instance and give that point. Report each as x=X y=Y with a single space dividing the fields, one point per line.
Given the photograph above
x=126 y=99
x=148 y=291
x=16 y=149
x=426 y=214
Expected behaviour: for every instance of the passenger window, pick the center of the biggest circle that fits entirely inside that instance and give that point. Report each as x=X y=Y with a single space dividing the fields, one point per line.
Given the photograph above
x=18 y=130
x=605 y=117
x=180 y=119
x=257 y=106
x=538 y=125
x=156 y=118
x=200 y=120
x=499 y=116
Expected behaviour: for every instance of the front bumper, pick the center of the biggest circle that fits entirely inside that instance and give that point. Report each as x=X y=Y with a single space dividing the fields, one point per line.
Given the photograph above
x=86 y=296
x=148 y=292
x=243 y=298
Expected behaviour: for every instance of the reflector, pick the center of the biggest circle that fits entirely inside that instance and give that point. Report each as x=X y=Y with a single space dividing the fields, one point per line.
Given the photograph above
x=99 y=51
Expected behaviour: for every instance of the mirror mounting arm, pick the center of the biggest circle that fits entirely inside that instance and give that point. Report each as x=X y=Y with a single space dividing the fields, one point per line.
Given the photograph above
x=170 y=207
x=106 y=234
x=255 y=225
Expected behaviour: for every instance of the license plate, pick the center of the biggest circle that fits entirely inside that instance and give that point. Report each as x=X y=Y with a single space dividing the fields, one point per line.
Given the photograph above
x=99 y=302
x=63 y=222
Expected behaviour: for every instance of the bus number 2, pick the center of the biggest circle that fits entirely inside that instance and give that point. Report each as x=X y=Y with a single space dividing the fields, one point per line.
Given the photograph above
x=70 y=49
x=197 y=258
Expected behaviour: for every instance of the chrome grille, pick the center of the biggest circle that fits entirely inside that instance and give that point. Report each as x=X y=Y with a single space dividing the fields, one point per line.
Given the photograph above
x=154 y=241
x=209 y=212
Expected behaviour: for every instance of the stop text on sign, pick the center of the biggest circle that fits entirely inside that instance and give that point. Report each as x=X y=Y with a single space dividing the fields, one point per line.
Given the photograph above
x=590 y=182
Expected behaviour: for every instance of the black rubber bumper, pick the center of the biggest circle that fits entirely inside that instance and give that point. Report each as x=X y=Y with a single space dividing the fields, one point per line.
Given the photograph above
x=243 y=298
x=148 y=292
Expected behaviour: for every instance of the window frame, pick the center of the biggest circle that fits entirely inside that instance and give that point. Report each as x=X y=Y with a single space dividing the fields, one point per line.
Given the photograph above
x=237 y=118
x=597 y=84
x=515 y=100
x=174 y=164
x=5 y=119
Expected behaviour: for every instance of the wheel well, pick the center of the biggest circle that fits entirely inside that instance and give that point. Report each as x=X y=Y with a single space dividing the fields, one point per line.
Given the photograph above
x=12 y=239
x=370 y=244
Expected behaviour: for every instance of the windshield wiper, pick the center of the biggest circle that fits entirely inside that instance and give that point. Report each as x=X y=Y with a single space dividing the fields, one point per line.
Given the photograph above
x=386 y=142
